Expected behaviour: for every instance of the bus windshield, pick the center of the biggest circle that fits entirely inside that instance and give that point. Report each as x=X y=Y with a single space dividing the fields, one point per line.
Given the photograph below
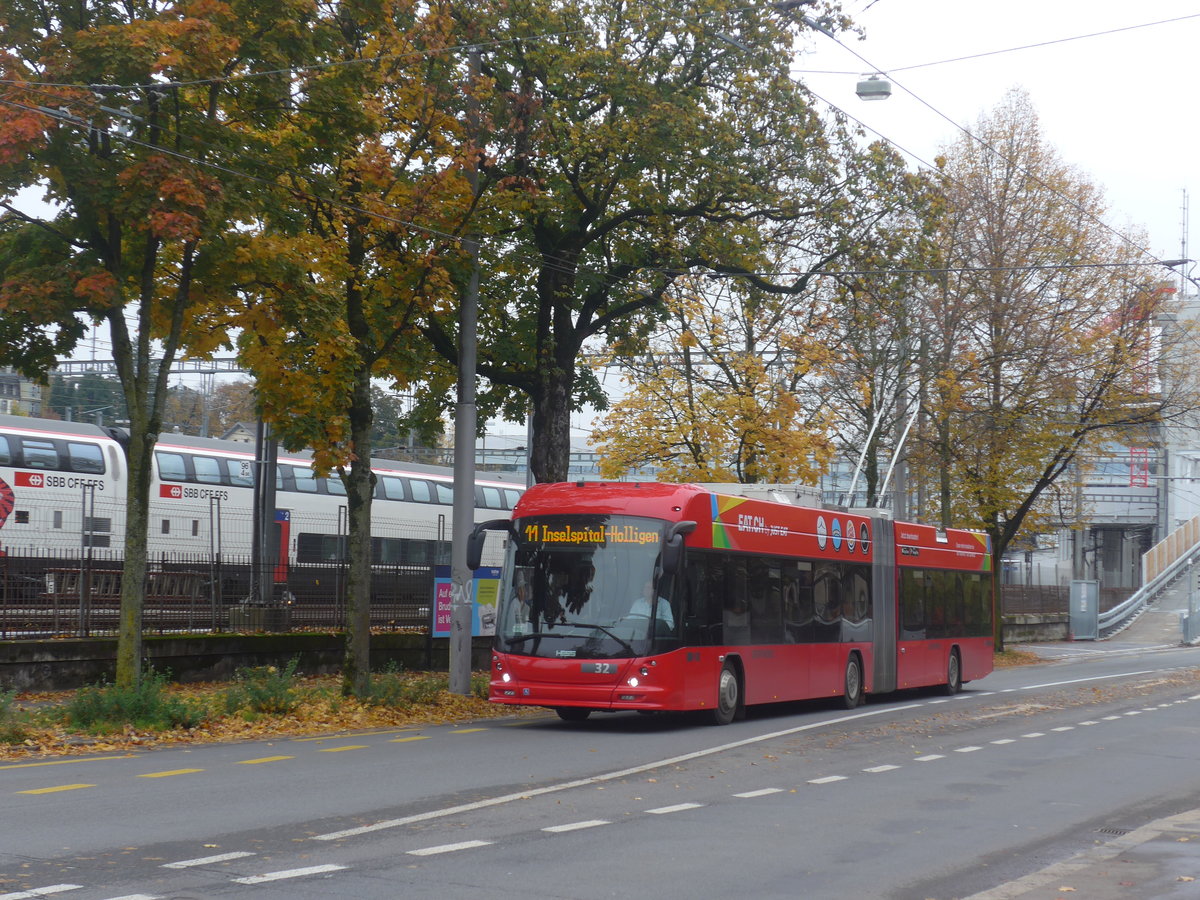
x=585 y=586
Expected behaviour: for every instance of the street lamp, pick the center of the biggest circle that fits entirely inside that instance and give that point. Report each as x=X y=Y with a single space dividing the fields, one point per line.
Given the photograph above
x=871 y=87
x=874 y=87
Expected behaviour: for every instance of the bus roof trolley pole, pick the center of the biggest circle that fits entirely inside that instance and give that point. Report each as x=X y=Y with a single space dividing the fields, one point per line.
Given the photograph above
x=479 y=536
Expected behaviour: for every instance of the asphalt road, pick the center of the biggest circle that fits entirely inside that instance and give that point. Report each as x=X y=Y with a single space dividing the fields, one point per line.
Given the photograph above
x=911 y=796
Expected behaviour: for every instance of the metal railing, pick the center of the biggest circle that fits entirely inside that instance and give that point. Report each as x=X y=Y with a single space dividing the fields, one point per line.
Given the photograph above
x=49 y=595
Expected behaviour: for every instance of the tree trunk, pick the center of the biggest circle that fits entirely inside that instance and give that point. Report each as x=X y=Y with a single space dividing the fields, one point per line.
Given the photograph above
x=550 y=455
x=133 y=578
x=360 y=489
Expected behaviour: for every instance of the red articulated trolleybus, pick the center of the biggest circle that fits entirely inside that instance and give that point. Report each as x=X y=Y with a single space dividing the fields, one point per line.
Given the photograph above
x=644 y=596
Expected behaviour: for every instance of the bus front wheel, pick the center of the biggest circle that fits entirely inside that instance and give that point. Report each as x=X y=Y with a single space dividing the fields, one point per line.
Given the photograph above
x=572 y=713
x=854 y=683
x=728 y=696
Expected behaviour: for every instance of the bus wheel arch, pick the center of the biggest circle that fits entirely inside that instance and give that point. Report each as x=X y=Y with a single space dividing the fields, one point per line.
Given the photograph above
x=730 y=702
x=852 y=694
x=954 y=682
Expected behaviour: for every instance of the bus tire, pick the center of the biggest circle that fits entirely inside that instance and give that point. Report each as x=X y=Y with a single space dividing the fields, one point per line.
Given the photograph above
x=572 y=713
x=954 y=681
x=853 y=694
x=729 y=696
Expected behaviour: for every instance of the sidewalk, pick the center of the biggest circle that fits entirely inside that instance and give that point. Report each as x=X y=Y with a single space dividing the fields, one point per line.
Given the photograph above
x=1156 y=628
x=1159 y=861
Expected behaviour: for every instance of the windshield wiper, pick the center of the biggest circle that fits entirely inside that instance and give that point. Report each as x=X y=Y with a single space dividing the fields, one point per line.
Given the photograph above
x=624 y=646
x=521 y=638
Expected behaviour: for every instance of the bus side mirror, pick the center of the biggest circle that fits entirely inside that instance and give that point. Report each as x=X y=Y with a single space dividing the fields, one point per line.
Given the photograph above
x=479 y=536
x=672 y=553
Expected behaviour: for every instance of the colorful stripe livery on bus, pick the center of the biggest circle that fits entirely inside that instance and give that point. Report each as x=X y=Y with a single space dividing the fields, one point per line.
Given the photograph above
x=641 y=596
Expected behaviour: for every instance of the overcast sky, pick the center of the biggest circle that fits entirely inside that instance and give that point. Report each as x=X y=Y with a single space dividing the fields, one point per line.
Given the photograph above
x=1119 y=106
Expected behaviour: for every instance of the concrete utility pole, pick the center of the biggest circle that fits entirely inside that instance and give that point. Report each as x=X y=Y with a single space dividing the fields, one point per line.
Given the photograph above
x=461 y=577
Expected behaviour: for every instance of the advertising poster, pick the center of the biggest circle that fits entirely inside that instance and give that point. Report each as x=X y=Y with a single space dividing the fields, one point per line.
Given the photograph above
x=486 y=594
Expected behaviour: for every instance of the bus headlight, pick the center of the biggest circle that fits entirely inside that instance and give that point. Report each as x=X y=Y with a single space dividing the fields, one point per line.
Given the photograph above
x=633 y=682
x=506 y=678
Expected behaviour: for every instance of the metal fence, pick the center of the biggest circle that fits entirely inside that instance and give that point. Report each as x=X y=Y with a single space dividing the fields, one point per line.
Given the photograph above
x=53 y=595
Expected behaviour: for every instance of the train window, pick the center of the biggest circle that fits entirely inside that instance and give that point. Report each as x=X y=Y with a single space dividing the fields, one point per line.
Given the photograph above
x=510 y=498
x=241 y=472
x=492 y=498
x=320 y=547
x=58 y=518
x=420 y=491
x=195 y=527
x=171 y=466
x=334 y=485
x=39 y=454
x=445 y=494
x=22 y=517
x=6 y=455
x=166 y=526
x=208 y=469
x=306 y=481
x=393 y=488
x=85 y=458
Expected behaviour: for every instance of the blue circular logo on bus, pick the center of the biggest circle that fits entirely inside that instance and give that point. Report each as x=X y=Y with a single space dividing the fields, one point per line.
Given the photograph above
x=837 y=534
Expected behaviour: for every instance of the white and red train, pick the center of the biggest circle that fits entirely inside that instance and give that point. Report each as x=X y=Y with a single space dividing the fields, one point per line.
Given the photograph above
x=62 y=491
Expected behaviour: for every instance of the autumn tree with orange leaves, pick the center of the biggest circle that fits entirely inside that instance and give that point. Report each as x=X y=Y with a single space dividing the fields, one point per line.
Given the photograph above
x=123 y=117
x=1040 y=334
x=359 y=238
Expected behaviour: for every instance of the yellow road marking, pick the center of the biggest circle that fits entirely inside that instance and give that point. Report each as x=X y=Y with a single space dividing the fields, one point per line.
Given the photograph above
x=170 y=773
x=467 y=730
x=68 y=762
x=342 y=737
x=54 y=790
x=340 y=749
x=404 y=740
x=265 y=759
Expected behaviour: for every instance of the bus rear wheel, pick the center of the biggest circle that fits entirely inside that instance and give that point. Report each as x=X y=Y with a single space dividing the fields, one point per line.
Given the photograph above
x=728 y=696
x=953 y=675
x=572 y=713
x=853 y=695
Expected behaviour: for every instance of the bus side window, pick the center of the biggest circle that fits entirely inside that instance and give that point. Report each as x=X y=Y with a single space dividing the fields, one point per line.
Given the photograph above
x=912 y=604
x=6 y=454
x=766 y=604
x=798 y=603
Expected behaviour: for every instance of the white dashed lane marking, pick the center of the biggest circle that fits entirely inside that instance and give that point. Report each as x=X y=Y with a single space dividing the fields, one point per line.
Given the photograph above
x=747 y=795
x=207 y=860
x=576 y=826
x=289 y=873
x=449 y=848
x=41 y=892
x=678 y=807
